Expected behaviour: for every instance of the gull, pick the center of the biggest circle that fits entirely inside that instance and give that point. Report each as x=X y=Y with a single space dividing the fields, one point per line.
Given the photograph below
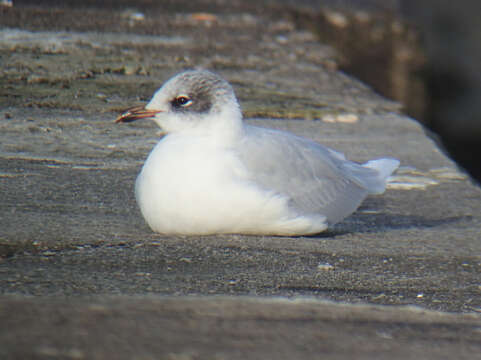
x=211 y=173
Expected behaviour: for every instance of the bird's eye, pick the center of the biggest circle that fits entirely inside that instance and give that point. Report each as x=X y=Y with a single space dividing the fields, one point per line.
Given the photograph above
x=181 y=101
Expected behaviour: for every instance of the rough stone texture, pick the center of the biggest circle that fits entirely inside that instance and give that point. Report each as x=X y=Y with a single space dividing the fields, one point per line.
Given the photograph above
x=70 y=225
x=230 y=328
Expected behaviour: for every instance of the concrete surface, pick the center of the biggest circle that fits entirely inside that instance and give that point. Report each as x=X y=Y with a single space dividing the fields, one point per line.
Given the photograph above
x=82 y=276
x=230 y=328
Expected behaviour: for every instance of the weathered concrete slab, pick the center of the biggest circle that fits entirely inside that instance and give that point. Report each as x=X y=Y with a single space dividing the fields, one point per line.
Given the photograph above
x=229 y=328
x=69 y=225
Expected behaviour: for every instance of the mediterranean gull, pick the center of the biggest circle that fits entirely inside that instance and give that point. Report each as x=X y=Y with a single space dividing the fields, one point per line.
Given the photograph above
x=214 y=174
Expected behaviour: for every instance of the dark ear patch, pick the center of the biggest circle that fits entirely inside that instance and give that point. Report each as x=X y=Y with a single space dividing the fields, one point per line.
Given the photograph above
x=198 y=101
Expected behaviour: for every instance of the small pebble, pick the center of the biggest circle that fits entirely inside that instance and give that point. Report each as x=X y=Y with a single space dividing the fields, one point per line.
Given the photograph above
x=49 y=253
x=325 y=267
x=337 y=19
x=347 y=118
x=342 y=118
x=204 y=17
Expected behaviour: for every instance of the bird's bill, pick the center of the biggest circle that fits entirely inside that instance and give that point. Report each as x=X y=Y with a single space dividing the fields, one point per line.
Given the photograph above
x=136 y=113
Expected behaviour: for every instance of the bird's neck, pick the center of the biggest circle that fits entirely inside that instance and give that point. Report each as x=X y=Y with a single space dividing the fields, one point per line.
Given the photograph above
x=223 y=128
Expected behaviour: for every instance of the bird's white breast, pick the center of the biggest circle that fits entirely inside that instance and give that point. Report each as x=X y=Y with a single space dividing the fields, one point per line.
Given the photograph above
x=195 y=185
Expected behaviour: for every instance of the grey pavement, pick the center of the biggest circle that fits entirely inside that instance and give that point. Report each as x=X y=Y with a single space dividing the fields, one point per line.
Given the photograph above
x=82 y=276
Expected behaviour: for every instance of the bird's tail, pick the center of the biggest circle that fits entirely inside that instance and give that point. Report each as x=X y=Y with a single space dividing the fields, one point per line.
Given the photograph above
x=384 y=168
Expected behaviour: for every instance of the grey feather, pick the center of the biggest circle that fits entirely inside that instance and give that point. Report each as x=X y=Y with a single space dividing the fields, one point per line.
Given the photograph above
x=317 y=180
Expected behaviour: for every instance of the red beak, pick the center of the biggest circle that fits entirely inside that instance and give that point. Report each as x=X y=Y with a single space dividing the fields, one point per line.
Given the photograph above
x=136 y=113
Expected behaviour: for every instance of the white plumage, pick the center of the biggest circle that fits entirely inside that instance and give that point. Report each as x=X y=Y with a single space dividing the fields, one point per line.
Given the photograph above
x=214 y=174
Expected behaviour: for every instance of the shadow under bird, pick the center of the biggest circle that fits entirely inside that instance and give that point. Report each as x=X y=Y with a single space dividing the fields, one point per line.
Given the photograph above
x=211 y=173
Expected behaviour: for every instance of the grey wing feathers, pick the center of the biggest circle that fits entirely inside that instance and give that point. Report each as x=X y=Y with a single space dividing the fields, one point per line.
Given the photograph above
x=372 y=175
x=317 y=180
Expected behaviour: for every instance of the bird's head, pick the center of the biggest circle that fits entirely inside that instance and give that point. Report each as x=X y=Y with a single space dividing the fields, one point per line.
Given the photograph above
x=189 y=101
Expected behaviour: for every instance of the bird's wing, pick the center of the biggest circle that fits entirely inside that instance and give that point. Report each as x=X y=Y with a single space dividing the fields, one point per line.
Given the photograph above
x=316 y=179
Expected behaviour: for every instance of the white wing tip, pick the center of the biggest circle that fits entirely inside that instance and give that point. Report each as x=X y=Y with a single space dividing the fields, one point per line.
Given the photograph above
x=384 y=168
